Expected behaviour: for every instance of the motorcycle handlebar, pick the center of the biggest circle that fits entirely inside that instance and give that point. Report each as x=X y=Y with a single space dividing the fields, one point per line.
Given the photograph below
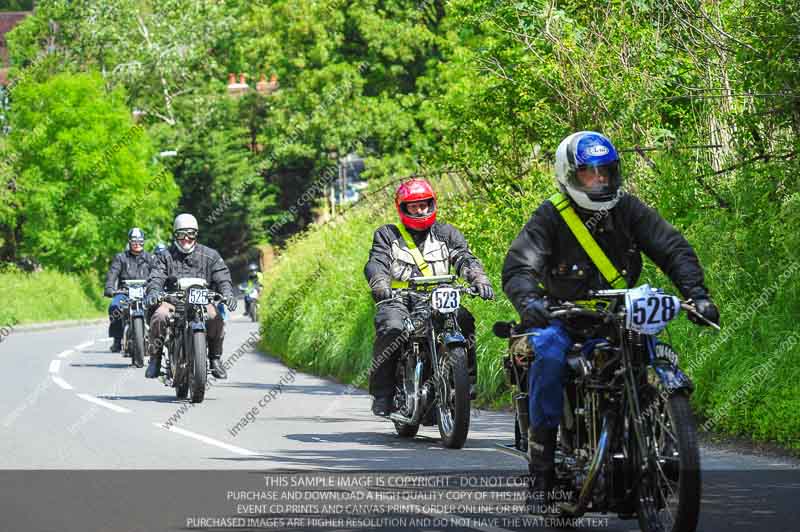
x=469 y=290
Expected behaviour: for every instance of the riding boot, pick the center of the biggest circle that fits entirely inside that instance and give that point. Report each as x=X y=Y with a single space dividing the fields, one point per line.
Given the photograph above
x=541 y=451
x=215 y=358
x=116 y=347
x=154 y=365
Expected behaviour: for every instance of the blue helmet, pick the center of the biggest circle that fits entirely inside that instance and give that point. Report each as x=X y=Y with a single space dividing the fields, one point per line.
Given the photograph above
x=587 y=170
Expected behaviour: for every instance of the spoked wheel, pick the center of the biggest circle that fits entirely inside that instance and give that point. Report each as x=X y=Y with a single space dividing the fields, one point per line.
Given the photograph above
x=453 y=399
x=668 y=496
x=403 y=396
x=137 y=339
x=198 y=366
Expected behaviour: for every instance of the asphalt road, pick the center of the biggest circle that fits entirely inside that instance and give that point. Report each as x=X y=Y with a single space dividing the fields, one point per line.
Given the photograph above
x=89 y=444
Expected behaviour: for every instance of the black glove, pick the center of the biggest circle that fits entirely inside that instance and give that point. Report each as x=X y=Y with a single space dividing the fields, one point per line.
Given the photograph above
x=152 y=299
x=108 y=292
x=707 y=309
x=381 y=289
x=484 y=289
x=231 y=302
x=535 y=314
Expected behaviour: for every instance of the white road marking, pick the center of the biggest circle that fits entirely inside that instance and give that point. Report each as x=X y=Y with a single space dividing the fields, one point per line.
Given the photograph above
x=61 y=382
x=84 y=345
x=210 y=441
x=106 y=404
x=55 y=365
x=65 y=354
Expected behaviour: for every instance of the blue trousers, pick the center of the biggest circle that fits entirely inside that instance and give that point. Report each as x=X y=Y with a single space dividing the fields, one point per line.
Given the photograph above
x=115 y=315
x=546 y=375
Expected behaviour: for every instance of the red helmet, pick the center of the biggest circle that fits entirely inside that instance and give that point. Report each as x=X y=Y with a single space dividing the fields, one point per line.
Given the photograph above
x=411 y=191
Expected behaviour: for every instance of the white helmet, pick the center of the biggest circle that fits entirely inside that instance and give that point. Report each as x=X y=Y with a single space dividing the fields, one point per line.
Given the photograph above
x=185 y=227
x=588 y=150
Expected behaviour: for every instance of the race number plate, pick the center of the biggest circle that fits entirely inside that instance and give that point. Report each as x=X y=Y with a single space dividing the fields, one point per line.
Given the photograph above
x=198 y=296
x=446 y=300
x=136 y=292
x=649 y=311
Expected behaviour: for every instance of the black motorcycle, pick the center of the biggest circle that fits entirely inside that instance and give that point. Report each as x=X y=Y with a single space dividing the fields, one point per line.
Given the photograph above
x=134 y=337
x=627 y=439
x=185 y=341
x=432 y=379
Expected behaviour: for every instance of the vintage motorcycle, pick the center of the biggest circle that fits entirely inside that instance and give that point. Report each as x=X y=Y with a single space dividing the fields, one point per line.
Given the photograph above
x=432 y=380
x=251 y=300
x=134 y=338
x=627 y=439
x=186 y=363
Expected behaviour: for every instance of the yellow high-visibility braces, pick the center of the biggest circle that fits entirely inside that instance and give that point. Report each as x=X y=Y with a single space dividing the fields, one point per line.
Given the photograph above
x=587 y=242
x=423 y=266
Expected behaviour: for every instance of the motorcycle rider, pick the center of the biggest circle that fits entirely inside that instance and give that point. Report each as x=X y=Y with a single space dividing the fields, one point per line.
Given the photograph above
x=547 y=260
x=254 y=281
x=160 y=248
x=391 y=264
x=186 y=258
x=133 y=263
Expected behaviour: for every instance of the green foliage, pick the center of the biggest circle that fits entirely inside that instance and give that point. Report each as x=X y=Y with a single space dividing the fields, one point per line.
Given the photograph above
x=513 y=80
x=220 y=180
x=83 y=167
x=68 y=296
x=702 y=99
x=16 y=5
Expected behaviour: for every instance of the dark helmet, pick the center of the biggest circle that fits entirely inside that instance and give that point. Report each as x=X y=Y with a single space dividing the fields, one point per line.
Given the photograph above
x=252 y=271
x=160 y=248
x=136 y=235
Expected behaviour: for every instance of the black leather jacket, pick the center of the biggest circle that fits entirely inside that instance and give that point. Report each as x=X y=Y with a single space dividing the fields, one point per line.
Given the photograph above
x=127 y=266
x=546 y=252
x=202 y=262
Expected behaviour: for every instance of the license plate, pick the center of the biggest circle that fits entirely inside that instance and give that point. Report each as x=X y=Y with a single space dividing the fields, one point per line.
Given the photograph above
x=446 y=300
x=198 y=296
x=136 y=292
x=650 y=311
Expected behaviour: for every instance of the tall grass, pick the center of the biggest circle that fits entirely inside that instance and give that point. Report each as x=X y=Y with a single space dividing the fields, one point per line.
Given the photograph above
x=49 y=295
x=328 y=328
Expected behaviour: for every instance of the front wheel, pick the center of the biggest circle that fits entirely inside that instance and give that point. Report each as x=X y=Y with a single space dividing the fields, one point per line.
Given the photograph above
x=137 y=339
x=254 y=311
x=199 y=370
x=668 y=494
x=453 y=399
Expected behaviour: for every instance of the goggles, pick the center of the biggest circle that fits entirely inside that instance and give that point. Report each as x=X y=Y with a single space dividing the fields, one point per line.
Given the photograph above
x=186 y=234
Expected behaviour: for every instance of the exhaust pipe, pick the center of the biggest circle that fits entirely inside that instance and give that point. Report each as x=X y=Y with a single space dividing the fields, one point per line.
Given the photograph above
x=578 y=509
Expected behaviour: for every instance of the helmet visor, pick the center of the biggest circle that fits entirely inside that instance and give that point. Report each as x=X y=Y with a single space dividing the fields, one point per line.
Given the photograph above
x=599 y=182
x=418 y=209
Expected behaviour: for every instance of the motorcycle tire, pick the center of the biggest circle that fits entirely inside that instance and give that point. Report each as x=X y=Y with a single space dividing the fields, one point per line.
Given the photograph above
x=454 y=409
x=199 y=366
x=137 y=341
x=677 y=410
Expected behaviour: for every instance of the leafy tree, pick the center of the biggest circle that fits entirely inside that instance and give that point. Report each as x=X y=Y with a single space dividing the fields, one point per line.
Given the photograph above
x=220 y=181
x=85 y=174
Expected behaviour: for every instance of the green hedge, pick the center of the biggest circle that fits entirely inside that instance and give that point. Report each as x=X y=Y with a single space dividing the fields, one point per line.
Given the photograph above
x=48 y=296
x=319 y=315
